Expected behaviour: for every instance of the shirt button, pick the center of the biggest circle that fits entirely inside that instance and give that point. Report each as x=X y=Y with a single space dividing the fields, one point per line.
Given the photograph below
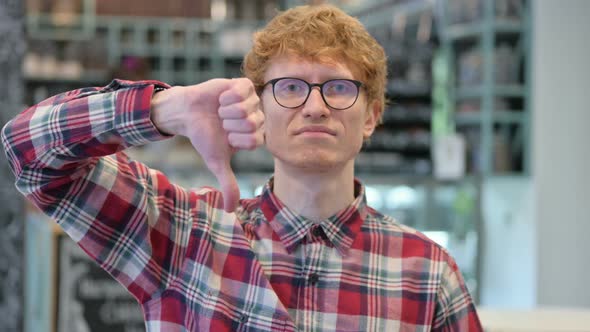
x=243 y=318
x=318 y=231
x=314 y=278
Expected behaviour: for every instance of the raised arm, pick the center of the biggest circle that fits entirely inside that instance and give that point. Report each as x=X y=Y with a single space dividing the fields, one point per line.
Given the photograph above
x=66 y=153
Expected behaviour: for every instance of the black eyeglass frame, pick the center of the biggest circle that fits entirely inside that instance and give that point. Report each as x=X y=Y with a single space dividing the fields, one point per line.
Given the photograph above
x=358 y=85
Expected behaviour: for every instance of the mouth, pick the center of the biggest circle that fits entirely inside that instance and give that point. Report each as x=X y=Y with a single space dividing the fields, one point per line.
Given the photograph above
x=315 y=130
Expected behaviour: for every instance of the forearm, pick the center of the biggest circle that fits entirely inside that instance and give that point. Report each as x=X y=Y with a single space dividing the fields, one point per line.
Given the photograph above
x=68 y=131
x=168 y=120
x=63 y=154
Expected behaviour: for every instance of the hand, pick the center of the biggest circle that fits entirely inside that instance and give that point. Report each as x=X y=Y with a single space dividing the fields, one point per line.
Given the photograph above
x=218 y=116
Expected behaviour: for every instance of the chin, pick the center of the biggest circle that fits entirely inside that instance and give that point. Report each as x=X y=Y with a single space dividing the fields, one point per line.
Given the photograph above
x=313 y=164
x=314 y=159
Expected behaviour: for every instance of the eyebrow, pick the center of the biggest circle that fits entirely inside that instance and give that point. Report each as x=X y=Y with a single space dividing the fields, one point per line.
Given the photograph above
x=325 y=79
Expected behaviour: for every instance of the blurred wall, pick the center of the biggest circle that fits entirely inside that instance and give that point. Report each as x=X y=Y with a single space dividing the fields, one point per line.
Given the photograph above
x=176 y=8
x=12 y=49
x=509 y=270
x=561 y=150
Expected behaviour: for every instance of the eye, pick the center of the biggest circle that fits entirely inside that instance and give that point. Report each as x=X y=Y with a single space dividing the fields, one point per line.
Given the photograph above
x=340 y=87
x=290 y=86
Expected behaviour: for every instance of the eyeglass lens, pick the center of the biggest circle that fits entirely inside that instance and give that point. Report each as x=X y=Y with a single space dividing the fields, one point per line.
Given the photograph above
x=338 y=94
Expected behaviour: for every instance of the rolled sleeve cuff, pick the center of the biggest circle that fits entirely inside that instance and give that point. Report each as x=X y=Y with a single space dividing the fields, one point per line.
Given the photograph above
x=132 y=115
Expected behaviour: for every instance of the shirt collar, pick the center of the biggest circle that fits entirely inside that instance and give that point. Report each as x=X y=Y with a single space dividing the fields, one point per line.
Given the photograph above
x=340 y=229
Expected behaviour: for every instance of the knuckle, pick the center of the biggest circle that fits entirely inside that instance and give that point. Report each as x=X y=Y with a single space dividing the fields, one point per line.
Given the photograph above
x=251 y=88
x=246 y=87
x=256 y=102
x=249 y=125
x=233 y=140
x=226 y=125
x=245 y=81
x=246 y=142
x=261 y=117
x=239 y=111
x=237 y=95
x=251 y=143
x=254 y=122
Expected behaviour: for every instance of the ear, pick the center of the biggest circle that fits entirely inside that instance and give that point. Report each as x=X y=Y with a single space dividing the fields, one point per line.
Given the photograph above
x=372 y=118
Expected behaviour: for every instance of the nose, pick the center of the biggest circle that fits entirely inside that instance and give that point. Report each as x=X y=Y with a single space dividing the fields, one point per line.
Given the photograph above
x=315 y=106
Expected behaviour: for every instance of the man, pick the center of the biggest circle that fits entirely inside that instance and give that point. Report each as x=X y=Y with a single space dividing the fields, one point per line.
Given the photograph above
x=307 y=254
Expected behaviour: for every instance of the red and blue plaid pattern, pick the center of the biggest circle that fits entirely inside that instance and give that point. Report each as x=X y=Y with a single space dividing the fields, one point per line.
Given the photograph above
x=194 y=267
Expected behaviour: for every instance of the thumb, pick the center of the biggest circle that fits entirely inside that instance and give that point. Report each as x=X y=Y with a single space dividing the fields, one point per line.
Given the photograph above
x=227 y=182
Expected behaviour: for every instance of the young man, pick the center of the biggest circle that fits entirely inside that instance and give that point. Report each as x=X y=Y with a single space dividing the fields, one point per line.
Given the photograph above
x=308 y=254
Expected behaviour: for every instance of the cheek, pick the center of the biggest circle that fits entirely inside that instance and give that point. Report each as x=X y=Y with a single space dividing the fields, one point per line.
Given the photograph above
x=276 y=118
x=274 y=126
x=355 y=127
x=266 y=100
x=265 y=107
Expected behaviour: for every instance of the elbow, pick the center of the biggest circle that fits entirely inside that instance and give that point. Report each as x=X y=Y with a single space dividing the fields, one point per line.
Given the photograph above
x=8 y=145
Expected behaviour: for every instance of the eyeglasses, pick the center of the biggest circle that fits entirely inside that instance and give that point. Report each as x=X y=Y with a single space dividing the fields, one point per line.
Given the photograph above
x=338 y=94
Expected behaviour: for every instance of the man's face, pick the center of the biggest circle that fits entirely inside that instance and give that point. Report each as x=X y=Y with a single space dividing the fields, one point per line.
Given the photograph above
x=314 y=136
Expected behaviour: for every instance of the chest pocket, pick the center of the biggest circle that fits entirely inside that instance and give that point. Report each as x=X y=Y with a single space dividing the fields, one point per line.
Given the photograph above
x=227 y=287
x=245 y=308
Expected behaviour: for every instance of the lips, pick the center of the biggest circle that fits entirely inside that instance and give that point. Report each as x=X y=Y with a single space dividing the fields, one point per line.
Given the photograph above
x=315 y=129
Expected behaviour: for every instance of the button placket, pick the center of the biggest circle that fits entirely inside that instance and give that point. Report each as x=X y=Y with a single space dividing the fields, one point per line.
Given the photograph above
x=243 y=318
x=318 y=231
x=314 y=278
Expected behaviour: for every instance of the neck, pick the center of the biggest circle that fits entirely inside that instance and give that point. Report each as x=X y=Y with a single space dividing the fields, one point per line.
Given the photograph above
x=314 y=195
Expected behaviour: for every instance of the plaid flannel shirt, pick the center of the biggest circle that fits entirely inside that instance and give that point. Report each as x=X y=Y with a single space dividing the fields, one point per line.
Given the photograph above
x=194 y=267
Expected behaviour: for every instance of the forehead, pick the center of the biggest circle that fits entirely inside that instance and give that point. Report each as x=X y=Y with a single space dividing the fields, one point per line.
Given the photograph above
x=312 y=70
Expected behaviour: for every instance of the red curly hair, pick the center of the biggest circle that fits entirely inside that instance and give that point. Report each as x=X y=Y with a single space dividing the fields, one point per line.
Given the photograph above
x=321 y=33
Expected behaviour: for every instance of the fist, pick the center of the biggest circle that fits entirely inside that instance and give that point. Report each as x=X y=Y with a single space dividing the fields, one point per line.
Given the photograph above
x=218 y=116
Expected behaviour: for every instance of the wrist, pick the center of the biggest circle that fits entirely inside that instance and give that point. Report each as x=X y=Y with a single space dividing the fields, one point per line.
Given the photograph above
x=168 y=120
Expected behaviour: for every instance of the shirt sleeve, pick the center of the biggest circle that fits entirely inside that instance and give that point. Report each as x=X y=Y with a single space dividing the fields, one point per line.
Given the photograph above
x=67 y=155
x=455 y=310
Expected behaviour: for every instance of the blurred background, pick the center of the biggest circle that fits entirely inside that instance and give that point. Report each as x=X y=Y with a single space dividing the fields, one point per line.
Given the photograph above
x=483 y=147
